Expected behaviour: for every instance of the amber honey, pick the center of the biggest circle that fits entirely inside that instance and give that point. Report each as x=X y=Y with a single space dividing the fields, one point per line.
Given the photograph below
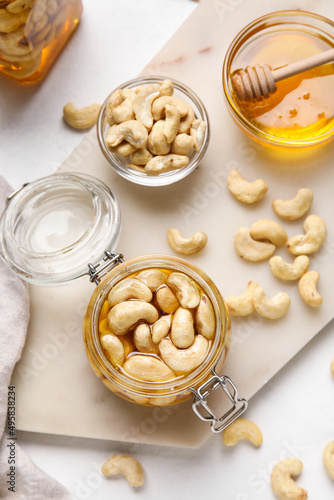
x=28 y=51
x=301 y=111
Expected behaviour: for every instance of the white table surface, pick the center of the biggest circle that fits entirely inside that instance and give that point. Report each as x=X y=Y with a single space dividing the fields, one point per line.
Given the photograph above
x=295 y=411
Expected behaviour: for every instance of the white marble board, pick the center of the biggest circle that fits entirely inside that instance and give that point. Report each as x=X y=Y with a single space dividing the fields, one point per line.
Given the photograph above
x=59 y=392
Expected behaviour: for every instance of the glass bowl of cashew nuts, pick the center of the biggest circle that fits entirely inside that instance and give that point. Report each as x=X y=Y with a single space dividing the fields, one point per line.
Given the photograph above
x=153 y=131
x=155 y=329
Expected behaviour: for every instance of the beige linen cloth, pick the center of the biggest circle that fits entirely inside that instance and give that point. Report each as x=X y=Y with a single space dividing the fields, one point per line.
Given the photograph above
x=31 y=483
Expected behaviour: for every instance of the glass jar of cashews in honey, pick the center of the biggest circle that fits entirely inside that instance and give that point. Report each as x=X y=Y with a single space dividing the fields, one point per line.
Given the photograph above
x=32 y=33
x=156 y=329
x=300 y=112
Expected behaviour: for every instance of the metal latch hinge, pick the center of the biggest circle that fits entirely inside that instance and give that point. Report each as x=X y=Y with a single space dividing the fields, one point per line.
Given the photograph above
x=202 y=409
x=96 y=272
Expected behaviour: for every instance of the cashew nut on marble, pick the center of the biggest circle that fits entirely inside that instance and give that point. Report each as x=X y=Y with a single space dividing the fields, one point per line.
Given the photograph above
x=285 y=271
x=328 y=458
x=186 y=246
x=205 y=318
x=266 y=229
x=81 y=118
x=127 y=466
x=242 y=305
x=244 y=191
x=314 y=237
x=307 y=287
x=125 y=315
x=182 y=332
x=295 y=208
x=183 y=361
x=130 y=288
x=273 y=308
x=166 y=300
x=242 y=428
x=148 y=367
x=162 y=164
x=282 y=483
x=185 y=289
x=252 y=250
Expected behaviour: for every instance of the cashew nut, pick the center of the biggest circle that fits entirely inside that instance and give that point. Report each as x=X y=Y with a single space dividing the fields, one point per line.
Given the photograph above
x=186 y=122
x=182 y=332
x=307 y=289
x=132 y=131
x=126 y=340
x=172 y=123
x=158 y=106
x=285 y=271
x=157 y=143
x=186 y=246
x=147 y=367
x=185 y=290
x=19 y=5
x=114 y=101
x=142 y=105
x=125 y=315
x=140 y=156
x=242 y=428
x=138 y=168
x=244 y=191
x=242 y=305
x=183 y=361
x=205 y=318
x=273 y=308
x=266 y=229
x=250 y=249
x=197 y=133
x=114 y=349
x=142 y=338
x=160 y=328
x=124 y=148
x=182 y=144
x=282 y=483
x=126 y=465
x=129 y=288
x=153 y=278
x=81 y=118
x=328 y=458
x=295 y=208
x=11 y=22
x=166 y=300
x=166 y=87
x=123 y=112
x=311 y=241
x=161 y=164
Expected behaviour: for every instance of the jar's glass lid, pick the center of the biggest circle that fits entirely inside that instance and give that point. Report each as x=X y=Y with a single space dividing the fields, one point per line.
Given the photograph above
x=54 y=227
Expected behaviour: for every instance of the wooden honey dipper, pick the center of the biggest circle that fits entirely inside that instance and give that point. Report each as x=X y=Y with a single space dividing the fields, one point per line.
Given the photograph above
x=256 y=82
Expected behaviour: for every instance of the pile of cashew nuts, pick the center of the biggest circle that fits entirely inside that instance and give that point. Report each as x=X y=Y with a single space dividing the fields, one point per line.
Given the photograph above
x=259 y=242
x=157 y=325
x=26 y=28
x=152 y=128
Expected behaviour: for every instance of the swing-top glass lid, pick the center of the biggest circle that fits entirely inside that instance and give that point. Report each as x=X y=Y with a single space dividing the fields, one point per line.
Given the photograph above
x=54 y=227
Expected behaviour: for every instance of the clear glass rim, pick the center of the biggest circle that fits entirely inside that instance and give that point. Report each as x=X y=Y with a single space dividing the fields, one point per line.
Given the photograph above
x=251 y=130
x=168 y=177
x=9 y=246
x=168 y=388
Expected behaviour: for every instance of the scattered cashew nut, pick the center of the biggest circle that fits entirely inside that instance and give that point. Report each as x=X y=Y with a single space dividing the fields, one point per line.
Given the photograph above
x=81 y=118
x=266 y=229
x=126 y=314
x=328 y=458
x=183 y=361
x=242 y=305
x=186 y=246
x=295 y=208
x=185 y=290
x=252 y=250
x=282 y=483
x=161 y=164
x=244 y=191
x=242 y=428
x=285 y=271
x=148 y=367
x=126 y=465
x=129 y=288
x=307 y=289
x=311 y=241
x=182 y=332
x=273 y=308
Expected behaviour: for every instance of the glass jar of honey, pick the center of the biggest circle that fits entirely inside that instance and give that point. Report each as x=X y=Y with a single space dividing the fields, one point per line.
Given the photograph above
x=300 y=113
x=32 y=34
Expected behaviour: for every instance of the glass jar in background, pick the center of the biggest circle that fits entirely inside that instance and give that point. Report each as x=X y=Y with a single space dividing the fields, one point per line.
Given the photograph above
x=32 y=34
